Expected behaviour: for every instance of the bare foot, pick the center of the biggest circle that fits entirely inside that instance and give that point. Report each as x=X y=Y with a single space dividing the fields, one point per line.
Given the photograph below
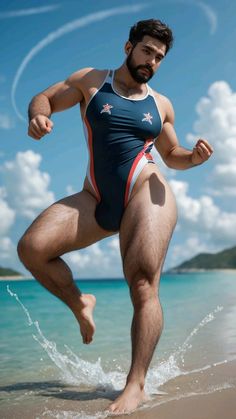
x=131 y=397
x=84 y=315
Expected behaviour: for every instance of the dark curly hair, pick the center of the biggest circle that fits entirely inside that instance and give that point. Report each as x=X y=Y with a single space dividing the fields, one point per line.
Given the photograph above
x=154 y=28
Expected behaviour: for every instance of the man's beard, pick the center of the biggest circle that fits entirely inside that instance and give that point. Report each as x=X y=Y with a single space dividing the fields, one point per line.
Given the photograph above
x=134 y=70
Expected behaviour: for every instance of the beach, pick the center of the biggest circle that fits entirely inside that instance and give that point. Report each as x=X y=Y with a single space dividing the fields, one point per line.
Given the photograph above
x=47 y=373
x=211 y=402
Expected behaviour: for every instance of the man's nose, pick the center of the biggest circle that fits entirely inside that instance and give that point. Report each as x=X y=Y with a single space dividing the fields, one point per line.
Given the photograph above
x=151 y=61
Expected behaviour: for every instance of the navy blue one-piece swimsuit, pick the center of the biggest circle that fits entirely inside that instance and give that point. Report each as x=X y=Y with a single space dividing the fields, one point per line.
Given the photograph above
x=120 y=133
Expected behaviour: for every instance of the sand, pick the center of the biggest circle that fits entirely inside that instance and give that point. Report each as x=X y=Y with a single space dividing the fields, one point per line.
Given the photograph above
x=186 y=398
x=219 y=405
x=13 y=278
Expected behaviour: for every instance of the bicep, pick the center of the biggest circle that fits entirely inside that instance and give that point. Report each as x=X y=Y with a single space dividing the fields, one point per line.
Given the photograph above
x=167 y=139
x=63 y=95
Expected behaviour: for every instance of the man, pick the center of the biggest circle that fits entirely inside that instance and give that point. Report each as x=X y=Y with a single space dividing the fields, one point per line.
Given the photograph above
x=123 y=191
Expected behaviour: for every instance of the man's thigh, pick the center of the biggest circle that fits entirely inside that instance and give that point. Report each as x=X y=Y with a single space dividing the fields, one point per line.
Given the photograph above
x=146 y=229
x=67 y=225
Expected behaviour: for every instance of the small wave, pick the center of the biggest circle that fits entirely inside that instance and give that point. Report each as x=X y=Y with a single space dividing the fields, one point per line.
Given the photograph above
x=102 y=415
x=209 y=390
x=68 y=414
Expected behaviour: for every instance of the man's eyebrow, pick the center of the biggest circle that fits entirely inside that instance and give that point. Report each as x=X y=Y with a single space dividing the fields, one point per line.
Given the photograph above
x=160 y=54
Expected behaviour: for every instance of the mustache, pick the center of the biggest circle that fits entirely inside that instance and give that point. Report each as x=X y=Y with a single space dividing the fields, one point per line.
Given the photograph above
x=146 y=67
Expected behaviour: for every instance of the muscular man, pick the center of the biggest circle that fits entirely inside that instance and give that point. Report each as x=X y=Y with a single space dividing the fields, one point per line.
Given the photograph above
x=123 y=191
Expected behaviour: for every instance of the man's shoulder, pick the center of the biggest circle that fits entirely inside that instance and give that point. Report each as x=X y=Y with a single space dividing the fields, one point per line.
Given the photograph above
x=88 y=74
x=162 y=98
x=165 y=104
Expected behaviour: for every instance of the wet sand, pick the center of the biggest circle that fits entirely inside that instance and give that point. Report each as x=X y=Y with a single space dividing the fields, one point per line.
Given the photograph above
x=209 y=394
x=219 y=405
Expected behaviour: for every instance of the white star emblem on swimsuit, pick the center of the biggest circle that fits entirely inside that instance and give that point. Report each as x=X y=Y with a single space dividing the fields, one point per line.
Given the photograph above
x=147 y=117
x=106 y=108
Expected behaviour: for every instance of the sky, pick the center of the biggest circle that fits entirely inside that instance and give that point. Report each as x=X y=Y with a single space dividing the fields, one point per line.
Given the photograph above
x=43 y=42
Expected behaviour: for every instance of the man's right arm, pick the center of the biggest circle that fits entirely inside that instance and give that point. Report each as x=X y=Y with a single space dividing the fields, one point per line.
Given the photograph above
x=56 y=98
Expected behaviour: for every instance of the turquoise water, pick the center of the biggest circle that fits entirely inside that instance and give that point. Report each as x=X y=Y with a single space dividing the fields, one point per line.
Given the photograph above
x=40 y=339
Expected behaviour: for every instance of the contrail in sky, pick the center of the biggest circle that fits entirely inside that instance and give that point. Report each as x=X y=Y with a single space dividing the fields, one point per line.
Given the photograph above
x=28 y=12
x=208 y=11
x=210 y=14
x=63 y=30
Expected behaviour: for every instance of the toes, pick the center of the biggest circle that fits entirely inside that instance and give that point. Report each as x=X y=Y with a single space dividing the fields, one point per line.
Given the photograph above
x=115 y=409
x=87 y=339
x=112 y=408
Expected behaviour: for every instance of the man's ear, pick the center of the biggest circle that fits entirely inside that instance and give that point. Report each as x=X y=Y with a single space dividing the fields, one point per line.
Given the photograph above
x=128 y=47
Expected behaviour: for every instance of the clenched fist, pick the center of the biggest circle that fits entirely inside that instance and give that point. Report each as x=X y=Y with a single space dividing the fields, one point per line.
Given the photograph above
x=201 y=152
x=39 y=126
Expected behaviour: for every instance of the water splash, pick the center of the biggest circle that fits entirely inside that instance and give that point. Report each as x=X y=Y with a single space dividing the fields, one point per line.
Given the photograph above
x=186 y=345
x=76 y=371
x=12 y=294
x=172 y=367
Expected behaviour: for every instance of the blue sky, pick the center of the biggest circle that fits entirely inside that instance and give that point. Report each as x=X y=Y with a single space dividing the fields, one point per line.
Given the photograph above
x=44 y=42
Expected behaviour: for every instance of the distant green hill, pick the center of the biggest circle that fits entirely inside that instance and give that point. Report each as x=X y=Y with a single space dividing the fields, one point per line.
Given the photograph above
x=8 y=272
x=226 y=259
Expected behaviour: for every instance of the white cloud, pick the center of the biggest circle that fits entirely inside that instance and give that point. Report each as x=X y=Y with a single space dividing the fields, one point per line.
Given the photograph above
x=7 y=214
x=7 y=249
x=184 y=251
x=5 y=121
x=63 y=30
x=202 y=218
x=97 y=261
x=204 y=226
x=70 y=190
x=114 y=244
x=217 y=123
x=6 y=222
x=26 y=185
x=28 y=12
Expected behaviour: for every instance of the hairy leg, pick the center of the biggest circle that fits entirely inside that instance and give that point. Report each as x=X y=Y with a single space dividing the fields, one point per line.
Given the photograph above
x=67 y=225
x=145 y=233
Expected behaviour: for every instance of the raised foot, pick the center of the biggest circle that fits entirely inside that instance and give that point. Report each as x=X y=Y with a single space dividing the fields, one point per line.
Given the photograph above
x=84 y=315
x=131 y=397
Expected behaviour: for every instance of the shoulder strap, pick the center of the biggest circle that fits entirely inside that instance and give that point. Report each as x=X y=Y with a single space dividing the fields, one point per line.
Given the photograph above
x=109 y=77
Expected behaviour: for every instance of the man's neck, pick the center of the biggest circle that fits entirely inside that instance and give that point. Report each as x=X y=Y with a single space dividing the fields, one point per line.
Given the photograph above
x=125 y=81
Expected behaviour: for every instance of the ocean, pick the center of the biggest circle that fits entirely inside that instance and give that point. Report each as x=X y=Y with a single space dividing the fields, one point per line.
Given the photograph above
x=47 y=372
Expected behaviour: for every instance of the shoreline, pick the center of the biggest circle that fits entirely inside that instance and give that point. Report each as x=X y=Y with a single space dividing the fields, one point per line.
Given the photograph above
x=203 y=270
x=216 y=405
x=185 y=271
x=15 y=278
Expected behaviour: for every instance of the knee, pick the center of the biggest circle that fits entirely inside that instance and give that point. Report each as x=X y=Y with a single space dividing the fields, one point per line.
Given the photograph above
x=29 y=250
x=142 y=290
x=142 y=274
x=24 y=250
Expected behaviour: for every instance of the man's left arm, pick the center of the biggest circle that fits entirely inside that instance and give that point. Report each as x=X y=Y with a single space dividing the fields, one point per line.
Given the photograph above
x=174 y=155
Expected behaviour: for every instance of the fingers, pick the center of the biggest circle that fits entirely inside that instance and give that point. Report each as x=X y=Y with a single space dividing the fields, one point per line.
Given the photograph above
x=204 y=149
x=39 y=126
